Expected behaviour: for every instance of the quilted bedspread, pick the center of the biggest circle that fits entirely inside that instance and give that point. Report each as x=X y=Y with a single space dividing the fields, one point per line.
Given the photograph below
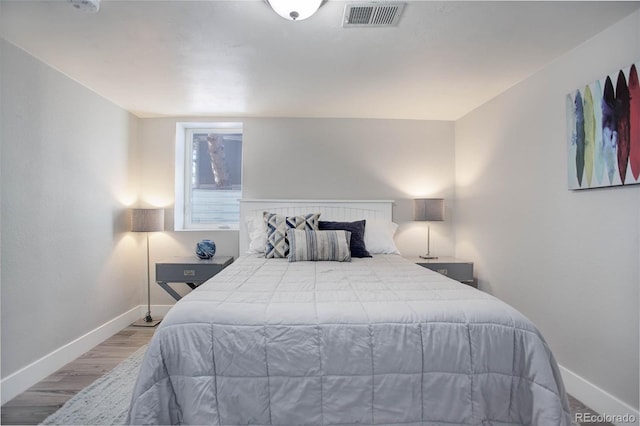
x=373 y=341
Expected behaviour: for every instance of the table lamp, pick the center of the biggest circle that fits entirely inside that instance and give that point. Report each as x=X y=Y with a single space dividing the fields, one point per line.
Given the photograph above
x=429 y=210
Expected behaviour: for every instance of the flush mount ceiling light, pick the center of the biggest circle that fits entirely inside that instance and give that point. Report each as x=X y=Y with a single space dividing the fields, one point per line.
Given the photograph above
x=295 y=10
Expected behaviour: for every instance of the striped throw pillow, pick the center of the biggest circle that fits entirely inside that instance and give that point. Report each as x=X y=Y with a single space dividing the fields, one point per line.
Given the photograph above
x=319 y=245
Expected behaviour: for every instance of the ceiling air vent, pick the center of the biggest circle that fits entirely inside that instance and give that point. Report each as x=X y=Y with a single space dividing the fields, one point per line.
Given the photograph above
x=372 y=14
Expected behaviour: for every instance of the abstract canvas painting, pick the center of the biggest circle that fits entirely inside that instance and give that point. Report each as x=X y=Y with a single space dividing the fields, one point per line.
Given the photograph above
x=603 y=128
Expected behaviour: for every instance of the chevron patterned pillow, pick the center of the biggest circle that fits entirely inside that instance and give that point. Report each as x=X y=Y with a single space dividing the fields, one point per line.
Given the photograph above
x=276 y=228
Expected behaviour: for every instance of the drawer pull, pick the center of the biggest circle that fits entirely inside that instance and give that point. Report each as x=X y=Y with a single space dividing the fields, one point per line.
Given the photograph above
x=443 y=271
x=189 y=272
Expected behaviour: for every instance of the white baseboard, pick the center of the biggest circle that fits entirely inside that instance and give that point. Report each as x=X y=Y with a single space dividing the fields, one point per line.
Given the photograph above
x=18 y=382
x=597 y=399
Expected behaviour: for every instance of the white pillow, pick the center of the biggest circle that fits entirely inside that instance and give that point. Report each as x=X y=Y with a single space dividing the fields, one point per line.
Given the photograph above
x=378 y=237
x=257 y=235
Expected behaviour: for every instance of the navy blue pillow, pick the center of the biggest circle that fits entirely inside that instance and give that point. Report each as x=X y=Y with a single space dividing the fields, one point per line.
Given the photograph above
x=357 y=246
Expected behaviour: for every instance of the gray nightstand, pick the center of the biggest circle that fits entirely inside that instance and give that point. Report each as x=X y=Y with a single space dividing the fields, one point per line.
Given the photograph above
x=192 y=271
x=459 y=270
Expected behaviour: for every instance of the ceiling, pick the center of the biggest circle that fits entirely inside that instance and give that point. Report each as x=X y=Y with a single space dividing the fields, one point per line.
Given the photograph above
x=240 y=59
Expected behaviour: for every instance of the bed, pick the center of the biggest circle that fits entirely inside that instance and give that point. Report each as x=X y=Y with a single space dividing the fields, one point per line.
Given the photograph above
x=374 y=340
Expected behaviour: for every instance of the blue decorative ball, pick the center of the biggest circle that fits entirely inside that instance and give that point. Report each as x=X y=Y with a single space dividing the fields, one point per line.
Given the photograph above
x=205 y=249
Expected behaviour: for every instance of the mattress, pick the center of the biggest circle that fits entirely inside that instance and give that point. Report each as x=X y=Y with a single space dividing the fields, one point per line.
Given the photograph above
x=373 y=341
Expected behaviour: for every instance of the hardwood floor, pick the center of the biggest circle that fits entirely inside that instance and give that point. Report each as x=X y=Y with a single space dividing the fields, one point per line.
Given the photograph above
x=45 y=397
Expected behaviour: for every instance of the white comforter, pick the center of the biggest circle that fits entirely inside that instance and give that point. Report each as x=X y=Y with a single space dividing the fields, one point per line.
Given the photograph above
x=373 y=341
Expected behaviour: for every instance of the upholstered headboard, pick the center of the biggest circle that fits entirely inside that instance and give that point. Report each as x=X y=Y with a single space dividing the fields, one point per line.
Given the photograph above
x=335 y=210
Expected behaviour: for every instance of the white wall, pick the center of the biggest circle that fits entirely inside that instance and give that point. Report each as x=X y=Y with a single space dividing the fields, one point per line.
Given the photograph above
x=68 y=266
x=568 y=260
x=357 y=159
x=321 y=158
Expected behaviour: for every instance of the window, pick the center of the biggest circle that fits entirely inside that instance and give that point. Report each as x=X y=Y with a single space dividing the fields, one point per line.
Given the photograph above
x=208 y=175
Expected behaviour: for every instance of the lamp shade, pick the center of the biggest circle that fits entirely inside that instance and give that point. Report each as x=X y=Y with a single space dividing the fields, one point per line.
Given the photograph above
x=428 y=209
x=147 y=220
x=295 y=10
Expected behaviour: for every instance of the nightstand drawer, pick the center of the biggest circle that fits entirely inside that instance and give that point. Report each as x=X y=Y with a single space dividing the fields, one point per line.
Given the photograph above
x=186 y=273
x=190 y=270
x=453 y=268
x=462 y=272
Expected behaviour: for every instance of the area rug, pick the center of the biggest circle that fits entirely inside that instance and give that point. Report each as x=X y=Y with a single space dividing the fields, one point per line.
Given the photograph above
x=105 y=401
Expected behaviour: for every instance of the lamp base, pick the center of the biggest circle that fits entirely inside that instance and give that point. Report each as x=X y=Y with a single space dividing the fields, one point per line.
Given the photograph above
x=428 y=257
x=144 y=323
